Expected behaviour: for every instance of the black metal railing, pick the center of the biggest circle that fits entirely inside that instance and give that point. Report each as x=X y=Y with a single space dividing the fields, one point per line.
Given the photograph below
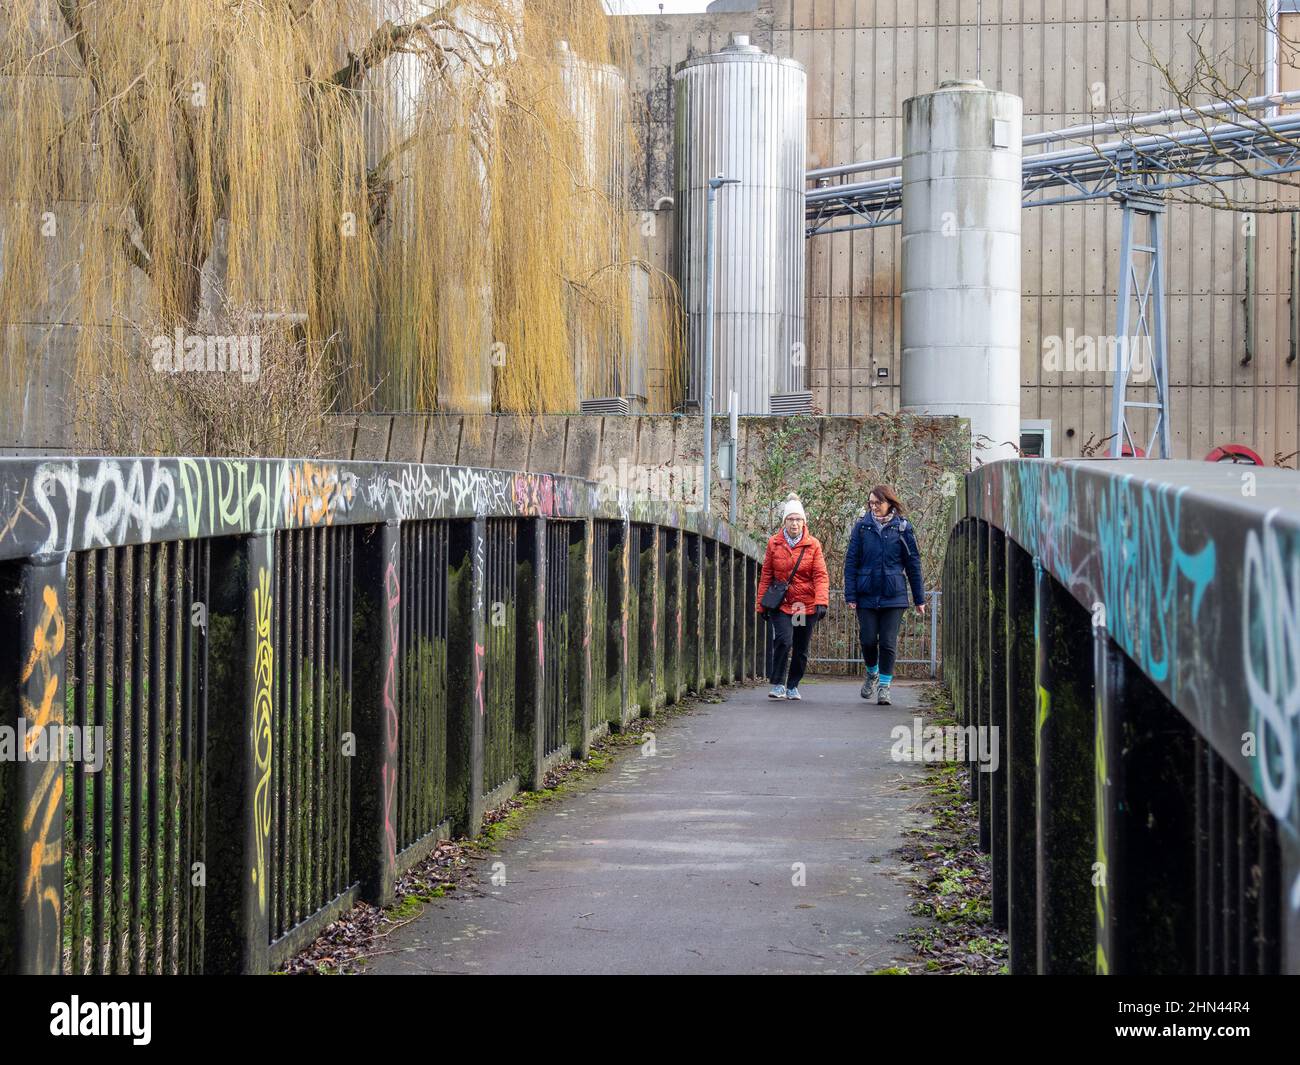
x=298 y=676
x=1124 y=633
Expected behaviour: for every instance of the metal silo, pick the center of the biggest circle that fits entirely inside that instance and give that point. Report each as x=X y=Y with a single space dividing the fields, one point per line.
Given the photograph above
x=597 y=97
x=742 y=113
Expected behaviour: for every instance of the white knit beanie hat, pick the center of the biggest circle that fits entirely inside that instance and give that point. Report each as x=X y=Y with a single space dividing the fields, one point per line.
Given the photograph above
x=792 y=506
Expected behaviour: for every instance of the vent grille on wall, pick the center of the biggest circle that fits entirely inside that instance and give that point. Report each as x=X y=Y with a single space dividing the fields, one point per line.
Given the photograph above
x=606 y=405
x=787 y=403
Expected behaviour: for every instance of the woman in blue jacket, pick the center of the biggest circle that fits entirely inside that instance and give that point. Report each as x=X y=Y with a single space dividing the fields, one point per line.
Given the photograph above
x=881 y=563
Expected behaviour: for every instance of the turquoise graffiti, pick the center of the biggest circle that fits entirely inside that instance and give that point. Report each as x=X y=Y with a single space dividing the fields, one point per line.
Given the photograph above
x=1146 y=569
x=1270 y=640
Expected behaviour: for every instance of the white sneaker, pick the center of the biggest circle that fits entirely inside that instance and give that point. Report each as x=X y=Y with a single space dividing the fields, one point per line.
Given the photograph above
x=793 y=693
x=777 y=692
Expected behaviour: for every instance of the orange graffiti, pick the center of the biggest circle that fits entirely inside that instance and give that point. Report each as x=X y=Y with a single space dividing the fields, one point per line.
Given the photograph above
x=314 y=493
x=46 y=803
x=45 y=645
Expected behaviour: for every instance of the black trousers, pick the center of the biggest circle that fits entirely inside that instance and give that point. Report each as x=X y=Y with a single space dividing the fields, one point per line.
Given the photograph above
x=789 y=642
x=878 y=631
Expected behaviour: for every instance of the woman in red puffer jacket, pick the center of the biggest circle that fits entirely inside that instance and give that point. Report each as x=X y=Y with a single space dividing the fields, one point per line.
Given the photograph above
x=793 y=550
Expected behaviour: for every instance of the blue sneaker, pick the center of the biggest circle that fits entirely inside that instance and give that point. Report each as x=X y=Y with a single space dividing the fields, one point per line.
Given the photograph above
x=793 y=693
x=777 y=692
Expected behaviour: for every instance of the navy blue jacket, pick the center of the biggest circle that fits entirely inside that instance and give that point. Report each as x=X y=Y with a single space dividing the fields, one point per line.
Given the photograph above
x=879 y=566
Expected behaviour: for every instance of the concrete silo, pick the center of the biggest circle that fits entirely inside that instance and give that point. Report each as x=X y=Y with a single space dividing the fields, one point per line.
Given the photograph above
x=961 y=261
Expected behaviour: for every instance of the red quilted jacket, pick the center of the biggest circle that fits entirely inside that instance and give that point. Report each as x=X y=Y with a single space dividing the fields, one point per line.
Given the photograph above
x=812 y=584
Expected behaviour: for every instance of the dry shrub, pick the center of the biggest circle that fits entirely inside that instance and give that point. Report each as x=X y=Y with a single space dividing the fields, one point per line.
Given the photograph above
x=141 y=409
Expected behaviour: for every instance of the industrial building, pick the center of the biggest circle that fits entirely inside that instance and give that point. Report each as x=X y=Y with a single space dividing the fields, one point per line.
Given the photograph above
x=1232 y=336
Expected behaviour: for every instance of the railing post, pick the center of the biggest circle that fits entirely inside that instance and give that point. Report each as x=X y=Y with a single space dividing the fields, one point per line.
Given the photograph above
x=981 y=619
x=647 y=619
x=32 y=704
x=737 y=611
x=727 y=577
x=530 y=656
x=581 y=578
x=673 y=616
x=1065 y=781
x=697 y=613
x=997 y=700
x=713 y=586
x=241 y=686
x=742 y=616
x=621 y=577
x=375 y=715
x=1021 y=703
x=970 y=642
x=755 y=626
x=935 y=603
x=1144 y=872
x=466 y=651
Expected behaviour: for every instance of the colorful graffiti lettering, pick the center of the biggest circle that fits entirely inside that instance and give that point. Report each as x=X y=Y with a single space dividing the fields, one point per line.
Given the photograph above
x=42 y=823
x=314 y=493
x=105 y=507
x=1270 y=640
x=533 y=493
x=263 y=664
x=228 y=495
x=1142 y=557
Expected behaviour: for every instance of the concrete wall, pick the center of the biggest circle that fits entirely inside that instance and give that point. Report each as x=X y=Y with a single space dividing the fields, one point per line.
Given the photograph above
x=664 y=451
x=865 y=57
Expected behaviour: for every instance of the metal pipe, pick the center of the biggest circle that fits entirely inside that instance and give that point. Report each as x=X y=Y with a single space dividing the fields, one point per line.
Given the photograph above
x=1155 y=118
x=711 y=226
x=734 y=411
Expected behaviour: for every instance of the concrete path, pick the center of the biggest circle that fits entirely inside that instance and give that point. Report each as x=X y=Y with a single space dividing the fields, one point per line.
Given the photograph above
x=688 y=861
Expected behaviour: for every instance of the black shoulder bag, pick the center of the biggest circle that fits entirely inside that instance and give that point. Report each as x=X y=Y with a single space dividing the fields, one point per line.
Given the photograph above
x=775 y=594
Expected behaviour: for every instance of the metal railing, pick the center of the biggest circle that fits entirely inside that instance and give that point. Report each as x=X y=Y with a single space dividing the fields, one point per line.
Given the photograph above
x=836 y=651
x=240 y=695
x=1124 y=631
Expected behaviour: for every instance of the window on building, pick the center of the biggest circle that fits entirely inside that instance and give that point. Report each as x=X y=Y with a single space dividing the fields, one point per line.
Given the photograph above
x=1036 y=439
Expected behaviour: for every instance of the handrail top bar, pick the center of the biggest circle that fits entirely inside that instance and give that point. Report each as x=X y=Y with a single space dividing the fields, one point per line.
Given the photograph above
x=1191 y=568
x=62 y=504
x=1269 y=489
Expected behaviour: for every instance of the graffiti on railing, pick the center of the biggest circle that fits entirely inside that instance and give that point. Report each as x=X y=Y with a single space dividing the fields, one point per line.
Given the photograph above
x=1270 y=638
x=314 y=493
x=393 y=601
x=221 y=495
x=42 y=818
x=1142 y=556
x=117 y=498
x=263 y=663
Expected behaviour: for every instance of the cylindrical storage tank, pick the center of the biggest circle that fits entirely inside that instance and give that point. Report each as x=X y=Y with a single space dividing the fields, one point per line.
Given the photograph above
x=961 y=261
x=742 y=113
x=597 y=97
x=463 y=377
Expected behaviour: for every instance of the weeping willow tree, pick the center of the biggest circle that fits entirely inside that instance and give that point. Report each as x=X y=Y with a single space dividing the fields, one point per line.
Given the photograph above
x=430 y=193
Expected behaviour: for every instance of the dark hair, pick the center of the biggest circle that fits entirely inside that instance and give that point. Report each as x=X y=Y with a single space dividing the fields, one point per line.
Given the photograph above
x=883 y=491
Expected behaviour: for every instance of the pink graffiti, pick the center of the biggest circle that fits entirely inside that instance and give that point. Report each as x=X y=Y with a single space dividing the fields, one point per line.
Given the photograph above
x=534 y=493
x=541 y=658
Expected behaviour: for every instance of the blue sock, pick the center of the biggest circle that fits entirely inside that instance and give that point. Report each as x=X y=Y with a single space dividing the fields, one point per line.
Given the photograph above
x=872 y=670
x=886 y=678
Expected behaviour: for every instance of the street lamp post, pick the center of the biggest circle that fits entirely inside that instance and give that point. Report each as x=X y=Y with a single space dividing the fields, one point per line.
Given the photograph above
x=711 y=225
